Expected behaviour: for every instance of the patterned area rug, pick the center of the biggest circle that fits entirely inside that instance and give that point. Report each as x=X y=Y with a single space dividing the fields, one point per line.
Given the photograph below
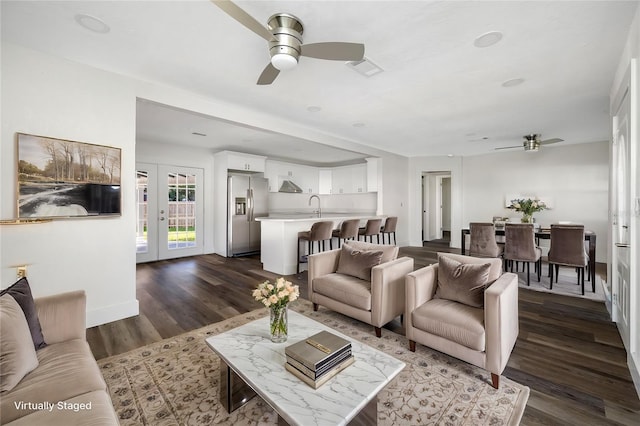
x=175 y=382
x=567 y=283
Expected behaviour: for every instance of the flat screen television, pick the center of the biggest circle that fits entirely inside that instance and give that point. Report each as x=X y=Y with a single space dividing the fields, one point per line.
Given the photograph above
x=62 y=178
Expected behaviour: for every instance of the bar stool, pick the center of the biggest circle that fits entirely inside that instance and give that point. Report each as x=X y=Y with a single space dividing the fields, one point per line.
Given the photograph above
x=372 y=228
x=389 y=228
x=348 y=230
x=320 y=232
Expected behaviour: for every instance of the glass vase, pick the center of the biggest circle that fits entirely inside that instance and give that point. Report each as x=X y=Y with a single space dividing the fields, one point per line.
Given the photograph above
x=279 y=324
x=526 y=218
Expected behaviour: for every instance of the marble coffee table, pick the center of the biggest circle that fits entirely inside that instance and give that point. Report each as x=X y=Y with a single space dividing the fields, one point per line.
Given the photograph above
x=251 y=364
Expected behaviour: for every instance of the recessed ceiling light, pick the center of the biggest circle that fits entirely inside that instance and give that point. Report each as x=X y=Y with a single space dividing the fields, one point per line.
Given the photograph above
x=449 y=155
x=314 y=108
x=92 y=23
x=358 y=124
x=198 y=134
x=488 y=39
x=513 y=82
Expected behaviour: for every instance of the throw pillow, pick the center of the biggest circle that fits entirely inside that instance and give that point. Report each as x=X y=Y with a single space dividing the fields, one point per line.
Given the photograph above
x=462 y=282
x=358 y=263
x=21 y=292
x=17 y=354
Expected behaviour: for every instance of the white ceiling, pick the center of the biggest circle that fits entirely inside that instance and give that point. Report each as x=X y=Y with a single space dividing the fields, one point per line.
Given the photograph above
x=438 y=93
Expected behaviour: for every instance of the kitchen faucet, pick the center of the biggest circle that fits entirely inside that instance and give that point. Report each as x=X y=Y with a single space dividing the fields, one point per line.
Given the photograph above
x=319 y=211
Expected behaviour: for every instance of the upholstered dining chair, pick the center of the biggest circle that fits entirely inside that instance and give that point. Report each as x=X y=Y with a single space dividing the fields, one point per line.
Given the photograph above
x=520 y=246
x=348 y=231
x=361 y=280
x=483 y=240
x=465 y=307
x=389 y=228
x=372 y=228
x=319 y=232
x=567 y=249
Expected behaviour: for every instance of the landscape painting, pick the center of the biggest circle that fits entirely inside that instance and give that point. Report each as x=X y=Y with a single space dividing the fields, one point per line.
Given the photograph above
x=62 y=178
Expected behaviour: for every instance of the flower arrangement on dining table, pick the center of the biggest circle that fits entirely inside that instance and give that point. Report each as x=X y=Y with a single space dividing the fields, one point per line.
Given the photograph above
x=276 y=297
x=527 y=206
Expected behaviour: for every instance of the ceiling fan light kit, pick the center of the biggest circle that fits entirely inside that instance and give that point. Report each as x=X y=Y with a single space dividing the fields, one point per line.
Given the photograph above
x=285 y=49
x=284 y=35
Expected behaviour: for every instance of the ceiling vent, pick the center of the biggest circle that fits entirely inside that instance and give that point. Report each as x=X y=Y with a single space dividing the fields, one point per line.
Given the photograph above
x=365 y=67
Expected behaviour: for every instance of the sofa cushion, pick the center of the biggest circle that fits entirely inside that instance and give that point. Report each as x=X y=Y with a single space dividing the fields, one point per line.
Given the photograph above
x=358 y=263
x=21 y=291
x=17 y=354
x=66 y=370
x=453 y=321
x=389 y=252
x=346 y=289
x=462 y=282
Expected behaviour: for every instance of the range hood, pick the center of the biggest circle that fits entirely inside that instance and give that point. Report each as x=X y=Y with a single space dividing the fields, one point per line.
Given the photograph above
x=288 y=186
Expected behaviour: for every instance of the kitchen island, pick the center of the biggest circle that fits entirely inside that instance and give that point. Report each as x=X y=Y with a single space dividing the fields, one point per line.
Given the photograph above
x=279 y=238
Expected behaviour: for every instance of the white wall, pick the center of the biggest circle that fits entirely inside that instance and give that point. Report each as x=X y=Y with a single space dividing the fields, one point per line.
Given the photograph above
x=575 y=177
x=393 y=193
x=45 y=96
x=175 y=155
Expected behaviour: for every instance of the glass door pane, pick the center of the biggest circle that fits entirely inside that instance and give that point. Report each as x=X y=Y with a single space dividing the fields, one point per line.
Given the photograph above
x=142 y=187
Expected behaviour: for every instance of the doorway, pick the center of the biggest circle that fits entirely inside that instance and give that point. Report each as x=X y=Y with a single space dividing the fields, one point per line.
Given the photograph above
x=436 y=207
x=169 y=212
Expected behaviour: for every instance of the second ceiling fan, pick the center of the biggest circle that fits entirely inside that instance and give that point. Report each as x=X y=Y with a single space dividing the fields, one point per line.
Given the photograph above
x=532 y=142
x=284 y=34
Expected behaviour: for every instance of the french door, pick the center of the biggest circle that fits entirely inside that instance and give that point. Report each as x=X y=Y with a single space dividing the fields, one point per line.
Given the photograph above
x=169 y=222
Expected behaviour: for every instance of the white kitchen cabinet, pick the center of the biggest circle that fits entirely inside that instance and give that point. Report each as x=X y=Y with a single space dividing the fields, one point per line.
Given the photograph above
x=358 y=178
x=245 y=162
x=324 y=181
x=372 y=174
x=341 y=180
x=306 y=177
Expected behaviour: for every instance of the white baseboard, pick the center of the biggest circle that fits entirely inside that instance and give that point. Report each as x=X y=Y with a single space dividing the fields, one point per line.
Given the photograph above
x=112 y=313
x=635 y=373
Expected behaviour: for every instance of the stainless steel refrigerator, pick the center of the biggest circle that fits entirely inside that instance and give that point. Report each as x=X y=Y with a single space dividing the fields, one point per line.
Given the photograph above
x=247 y=200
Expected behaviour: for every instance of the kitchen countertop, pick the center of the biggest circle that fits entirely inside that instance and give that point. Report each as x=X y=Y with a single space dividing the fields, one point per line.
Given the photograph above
x=300 y=217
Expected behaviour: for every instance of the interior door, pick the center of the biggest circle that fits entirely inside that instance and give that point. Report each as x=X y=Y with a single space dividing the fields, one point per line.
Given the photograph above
x=621 y=214
x=180 y=212
x=425 y=208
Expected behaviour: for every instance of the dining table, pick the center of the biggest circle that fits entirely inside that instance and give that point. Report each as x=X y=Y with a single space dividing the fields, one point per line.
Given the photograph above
x=545 y=234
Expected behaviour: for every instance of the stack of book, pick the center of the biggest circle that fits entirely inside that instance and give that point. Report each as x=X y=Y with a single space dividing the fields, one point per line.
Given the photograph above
x=318 y=358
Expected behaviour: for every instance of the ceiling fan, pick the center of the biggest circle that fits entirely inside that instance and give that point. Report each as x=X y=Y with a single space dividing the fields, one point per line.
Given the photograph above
x=532 y=142
x=284 y=34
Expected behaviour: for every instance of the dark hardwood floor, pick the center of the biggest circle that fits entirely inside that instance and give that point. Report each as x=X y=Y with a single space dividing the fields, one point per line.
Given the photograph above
x=568 y=352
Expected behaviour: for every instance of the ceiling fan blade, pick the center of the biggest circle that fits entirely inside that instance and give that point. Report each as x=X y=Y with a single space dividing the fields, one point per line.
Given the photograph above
x=548 y=141
x=268 y=75
x=508 y=147
x=335 y=51
x=244 y=18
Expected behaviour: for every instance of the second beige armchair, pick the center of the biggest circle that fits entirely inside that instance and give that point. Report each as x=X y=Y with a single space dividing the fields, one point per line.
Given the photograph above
x=480 y=326
x=369 y=289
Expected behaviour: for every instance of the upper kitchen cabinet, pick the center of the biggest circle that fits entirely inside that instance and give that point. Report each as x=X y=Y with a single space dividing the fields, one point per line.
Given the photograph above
x=324 y=181
x=306 y=177
x=372 y=174
x=349 y=179
x=243 y=162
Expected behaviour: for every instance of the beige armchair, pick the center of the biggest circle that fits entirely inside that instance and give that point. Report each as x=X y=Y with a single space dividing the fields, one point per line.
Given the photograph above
x=376 y=300
x=482 y=336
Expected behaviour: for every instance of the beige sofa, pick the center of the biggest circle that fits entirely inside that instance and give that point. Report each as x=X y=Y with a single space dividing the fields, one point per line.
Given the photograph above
x=66 y=388
x=376 y=300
